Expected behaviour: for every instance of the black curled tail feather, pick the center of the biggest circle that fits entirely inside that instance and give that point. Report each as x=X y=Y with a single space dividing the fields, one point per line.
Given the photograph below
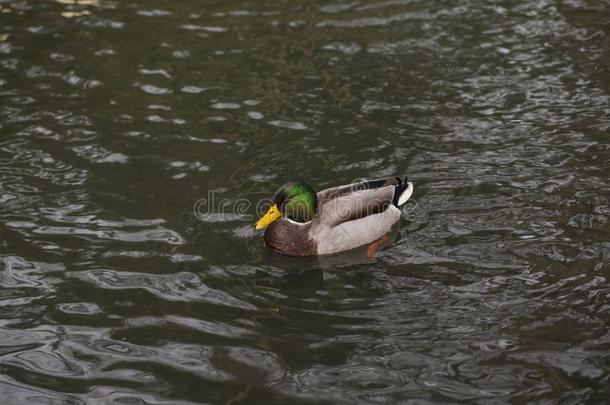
x=400 y=187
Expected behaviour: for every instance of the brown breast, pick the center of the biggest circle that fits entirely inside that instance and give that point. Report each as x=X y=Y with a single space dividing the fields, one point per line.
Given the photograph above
x=290 y=239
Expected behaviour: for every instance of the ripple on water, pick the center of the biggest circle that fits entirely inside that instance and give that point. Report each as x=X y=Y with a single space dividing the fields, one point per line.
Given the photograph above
x=40 y=164
x=21 y=272
x=226 y=106
x=173 y=287
x=193 y=89
x=45 y=362
x=154 y=13
x=289 y=124
x=154 y=90
x=349 y=48
x=206 y=28
x=98 y=154
x=209 y=328
x=195 y=359
x=155 y=235
x=80 y=308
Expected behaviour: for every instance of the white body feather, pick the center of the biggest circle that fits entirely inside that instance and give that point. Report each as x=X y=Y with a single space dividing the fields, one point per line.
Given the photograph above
x=351 y=234
x=406 y=194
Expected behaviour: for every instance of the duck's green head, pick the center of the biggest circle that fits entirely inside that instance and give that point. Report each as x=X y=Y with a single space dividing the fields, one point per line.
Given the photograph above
x=296 y=201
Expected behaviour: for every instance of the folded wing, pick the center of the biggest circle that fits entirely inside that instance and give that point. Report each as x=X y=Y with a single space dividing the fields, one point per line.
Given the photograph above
x=355 y=201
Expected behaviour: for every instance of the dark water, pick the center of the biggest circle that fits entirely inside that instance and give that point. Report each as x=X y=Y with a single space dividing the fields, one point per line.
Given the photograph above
x=136 y=138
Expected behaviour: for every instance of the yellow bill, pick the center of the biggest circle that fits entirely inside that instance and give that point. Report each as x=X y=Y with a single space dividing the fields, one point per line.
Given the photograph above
x=271 y=215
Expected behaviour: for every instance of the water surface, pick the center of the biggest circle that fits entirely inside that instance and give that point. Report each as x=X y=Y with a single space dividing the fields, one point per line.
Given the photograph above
x=126 y=125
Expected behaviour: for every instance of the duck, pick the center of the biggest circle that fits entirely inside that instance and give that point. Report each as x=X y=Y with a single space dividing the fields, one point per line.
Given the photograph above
x=303 y=222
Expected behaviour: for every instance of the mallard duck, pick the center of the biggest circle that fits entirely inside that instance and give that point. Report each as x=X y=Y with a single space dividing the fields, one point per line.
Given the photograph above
x=302 y=222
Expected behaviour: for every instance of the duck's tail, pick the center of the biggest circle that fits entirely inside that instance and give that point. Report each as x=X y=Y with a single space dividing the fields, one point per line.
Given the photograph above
x=404 y=190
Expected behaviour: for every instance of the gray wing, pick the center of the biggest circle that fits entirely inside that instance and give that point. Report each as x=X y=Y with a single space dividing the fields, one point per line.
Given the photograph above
x=354 y=201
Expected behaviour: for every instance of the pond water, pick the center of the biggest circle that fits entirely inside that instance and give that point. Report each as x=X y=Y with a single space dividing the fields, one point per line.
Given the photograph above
x=137 y=137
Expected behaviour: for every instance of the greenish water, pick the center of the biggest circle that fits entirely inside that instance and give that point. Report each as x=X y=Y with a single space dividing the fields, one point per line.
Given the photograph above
x=126 y=125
